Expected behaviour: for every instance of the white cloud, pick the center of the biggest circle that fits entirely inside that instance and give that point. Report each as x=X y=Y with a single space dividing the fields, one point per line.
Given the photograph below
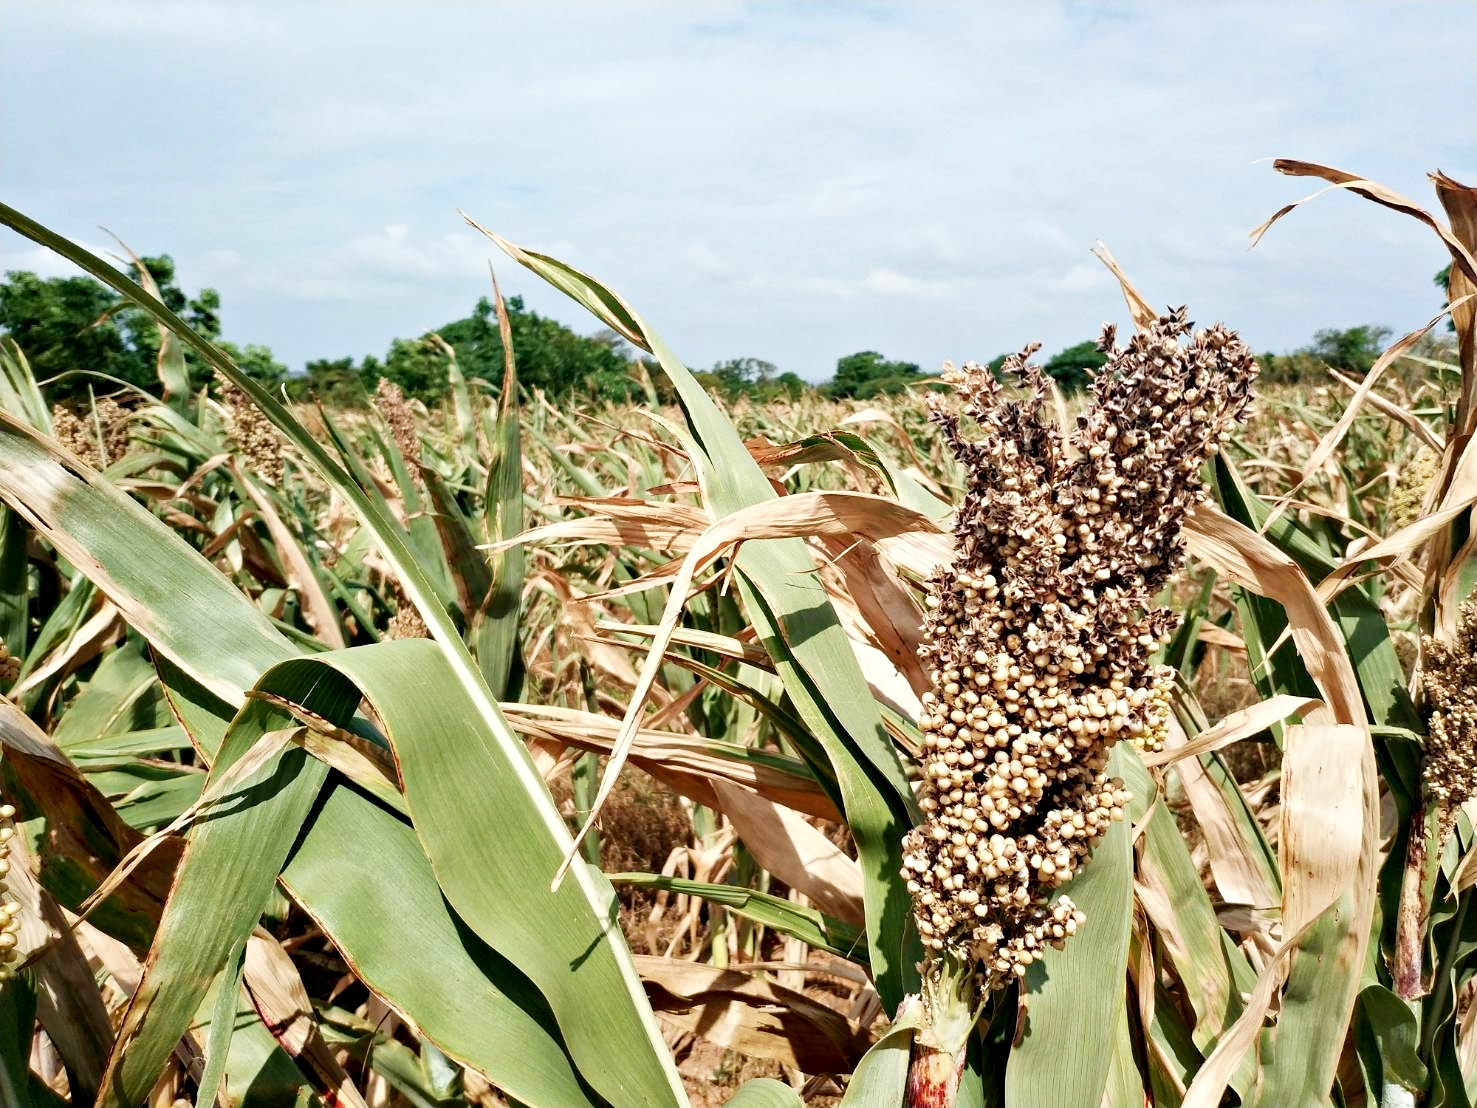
x=398 y=253
x=1080 y=278
x=705 y=261
x=889 y=282
x=194 y=20
x=21 y=255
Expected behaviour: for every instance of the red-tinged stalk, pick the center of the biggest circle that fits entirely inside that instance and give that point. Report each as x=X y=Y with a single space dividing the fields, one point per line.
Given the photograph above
x=1417 y=886
x=950 y=999
x=1039 y=641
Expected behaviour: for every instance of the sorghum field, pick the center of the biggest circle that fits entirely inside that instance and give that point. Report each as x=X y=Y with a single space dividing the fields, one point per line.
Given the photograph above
x=984 y=747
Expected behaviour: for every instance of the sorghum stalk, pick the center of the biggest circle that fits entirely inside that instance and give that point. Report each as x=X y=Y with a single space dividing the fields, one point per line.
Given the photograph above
x=1448 y=780
x=1038 y=640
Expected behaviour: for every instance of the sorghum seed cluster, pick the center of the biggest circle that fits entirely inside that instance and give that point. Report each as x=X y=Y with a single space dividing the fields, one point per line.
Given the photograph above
x=10 y=665
x=10 y=919
x=1410 y=489
x=98 y=437
x=253 y=434
x=400 y=417
x=1039 y=635
x=406 y=622
x=1449 y=677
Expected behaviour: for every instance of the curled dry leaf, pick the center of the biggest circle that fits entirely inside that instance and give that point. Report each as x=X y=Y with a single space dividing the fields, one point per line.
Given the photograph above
x=794 y=851
x=752 y=1015
x=803 y=515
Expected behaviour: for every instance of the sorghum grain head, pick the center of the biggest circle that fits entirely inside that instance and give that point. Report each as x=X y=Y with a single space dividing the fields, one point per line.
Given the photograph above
x=1040 y=634
x=253 y=435
x=10 y=922
x=1449 y=677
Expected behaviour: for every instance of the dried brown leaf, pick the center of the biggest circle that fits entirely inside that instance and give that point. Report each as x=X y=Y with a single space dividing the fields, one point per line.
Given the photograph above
x=1235 y=727
x=794 y=851
x=752 y=1015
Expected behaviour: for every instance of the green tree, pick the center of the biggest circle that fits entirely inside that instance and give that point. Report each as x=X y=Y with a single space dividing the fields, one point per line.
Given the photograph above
x=1072 y=368
x=754 y=378
x=256 y=361
x=335 y=382
x=202 y=313
x=70 y=327
x=738 y=376
x=419 y=367
x=790 y=385
x=1353 y=349
x=550 y=355
x=868 y=373
x=66 y=324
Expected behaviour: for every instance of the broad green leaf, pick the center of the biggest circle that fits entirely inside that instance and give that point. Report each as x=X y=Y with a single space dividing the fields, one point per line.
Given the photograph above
x=398 y=1065
x=230 y=864
x=15 y=585
x=811 y=926
x=359 y=871
x=121 y=695
x=156 y=803
x=494 y=739
x=76 y=836
x=1075 y=993
x=111 y=749
x=17 y=1024
x=19 y=393
x=478 y=823
x=257 y=1072
x=765 y=1092
x=1212 y=969
x=164 y=588
x=1298 y=1055
x=222 y=1009
x=1387 y=1038
x=881 y=1077
x=1125 y=1087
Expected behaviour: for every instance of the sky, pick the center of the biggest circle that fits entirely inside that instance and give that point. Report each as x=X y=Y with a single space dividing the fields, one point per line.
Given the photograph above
x=785 y=181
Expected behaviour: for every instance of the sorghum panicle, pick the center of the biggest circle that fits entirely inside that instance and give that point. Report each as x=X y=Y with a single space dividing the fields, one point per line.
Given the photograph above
x=1449 y=677
x=98 y=437
x=397 y=412
x=1404 y=506
x=406 y=622
x=253 y=435
x=1039 y=635
x=10 y=921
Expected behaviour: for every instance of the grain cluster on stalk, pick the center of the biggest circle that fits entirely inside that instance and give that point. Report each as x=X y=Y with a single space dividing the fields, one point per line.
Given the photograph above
x=10 y=922
x=399 y=416
x=98 y=437
x=1040 y=634
x=1449 y=679
x=253 y=435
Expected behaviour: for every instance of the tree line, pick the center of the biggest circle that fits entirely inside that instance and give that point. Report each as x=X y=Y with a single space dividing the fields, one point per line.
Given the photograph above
x=78 y=334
